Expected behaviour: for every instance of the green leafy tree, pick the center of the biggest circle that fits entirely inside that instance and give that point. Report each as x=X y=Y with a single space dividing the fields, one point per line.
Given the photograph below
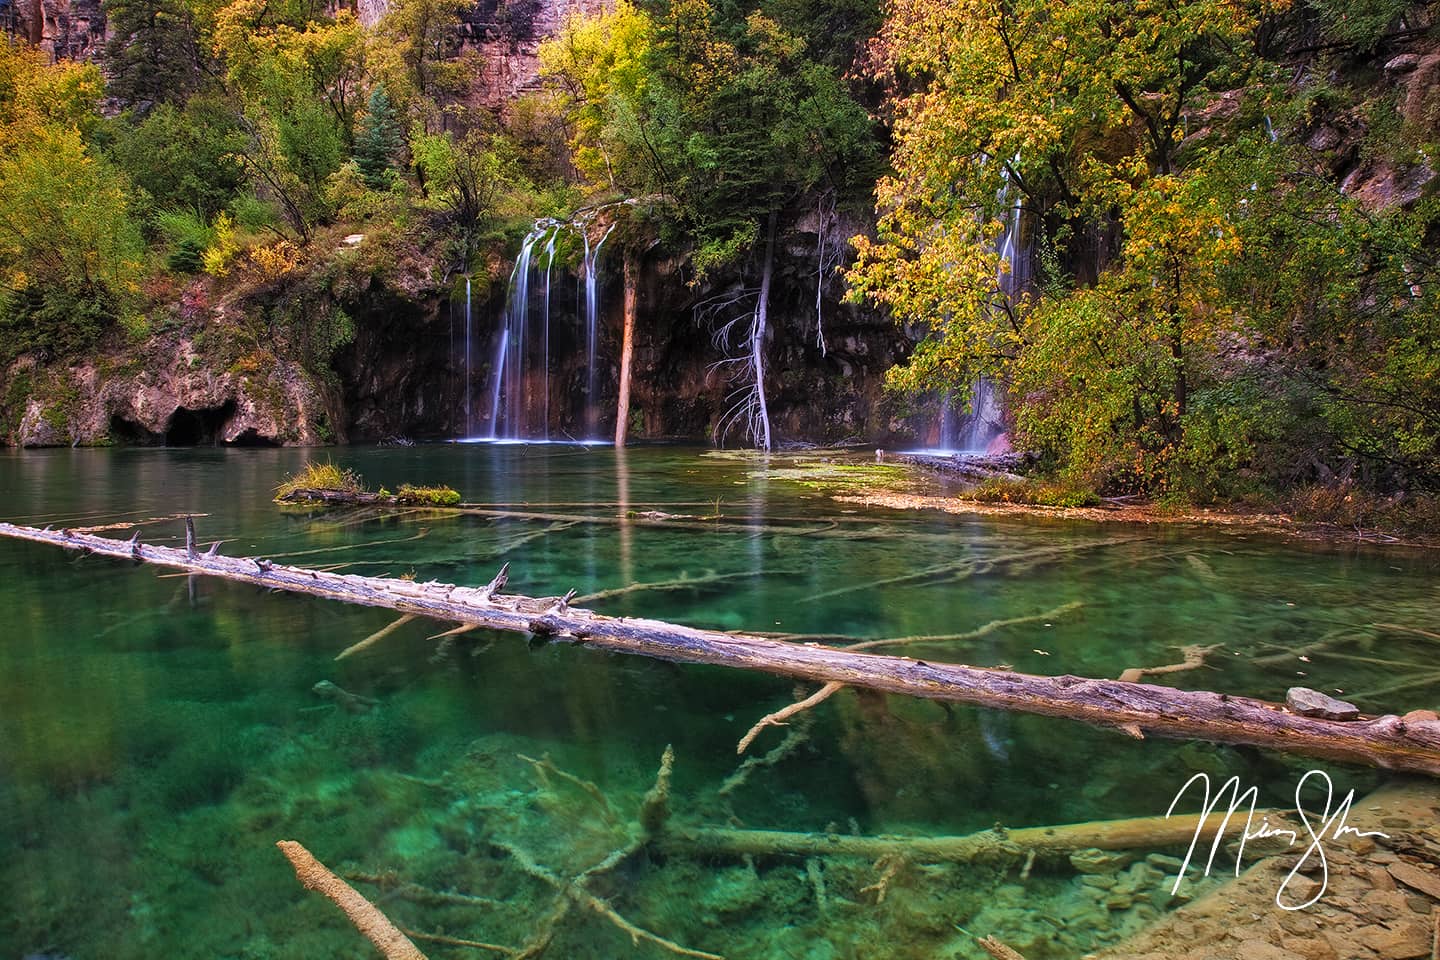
x=70 y=252
x=185 y=159
x=298 y=90
x=415 y=51
x=1083 y=109
x=379 y=140
x=468 y=176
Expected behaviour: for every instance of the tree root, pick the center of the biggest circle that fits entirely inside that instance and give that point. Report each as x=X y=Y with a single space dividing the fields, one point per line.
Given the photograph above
x=415 y=893
x=889 y=866
x=420 y=535
x=574 y=892
x=456 y=941
x=1401 y=628
x=367 y=918
x=1332 y=638
x=127 y=524
x=679 y=583
x=1428 y=680
x=511 y=544
x=777 y=719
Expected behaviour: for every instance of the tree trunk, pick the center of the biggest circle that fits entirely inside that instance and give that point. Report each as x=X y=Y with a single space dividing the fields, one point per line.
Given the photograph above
x=1410 y=743
x=757 y=339
x=627 y=348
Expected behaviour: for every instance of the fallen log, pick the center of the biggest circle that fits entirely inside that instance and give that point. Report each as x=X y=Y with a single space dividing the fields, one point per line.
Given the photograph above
x=1137 y=709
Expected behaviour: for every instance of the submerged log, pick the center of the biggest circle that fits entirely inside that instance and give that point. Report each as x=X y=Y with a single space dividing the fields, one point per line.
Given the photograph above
x=998 y=845
x=1133 y=708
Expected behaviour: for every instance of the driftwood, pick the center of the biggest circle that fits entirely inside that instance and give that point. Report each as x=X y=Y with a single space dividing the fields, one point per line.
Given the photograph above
x=1134 y=708
x=1139 y=833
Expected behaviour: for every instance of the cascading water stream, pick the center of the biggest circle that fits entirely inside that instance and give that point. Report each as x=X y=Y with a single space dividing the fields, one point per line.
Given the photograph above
x=521 y=402
x=469 y=414
x=508 y=401
x=592 y=325
x=545 y=360
x=975 y=431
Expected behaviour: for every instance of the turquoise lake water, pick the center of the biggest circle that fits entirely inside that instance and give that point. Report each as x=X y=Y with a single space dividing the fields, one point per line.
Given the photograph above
x=158 y=734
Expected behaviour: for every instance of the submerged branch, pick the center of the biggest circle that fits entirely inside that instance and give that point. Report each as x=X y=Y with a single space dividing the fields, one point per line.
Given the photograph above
x=778 y=718
x=996 y=845
x=367 y=918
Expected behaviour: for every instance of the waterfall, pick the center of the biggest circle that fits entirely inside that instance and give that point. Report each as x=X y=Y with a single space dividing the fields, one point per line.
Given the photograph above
x=978 y=428
x=592 y=326
x=545 y=354
x=469 y=416
x=535 y=345
x=508 y=407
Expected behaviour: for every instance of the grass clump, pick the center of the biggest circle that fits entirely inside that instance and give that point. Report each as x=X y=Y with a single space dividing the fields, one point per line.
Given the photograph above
x=427 y=496
x=320 y=476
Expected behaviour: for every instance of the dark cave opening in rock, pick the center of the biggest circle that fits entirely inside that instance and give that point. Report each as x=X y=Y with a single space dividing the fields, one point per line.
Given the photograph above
x=132 y=434
x=252 y=438
x=195 y=428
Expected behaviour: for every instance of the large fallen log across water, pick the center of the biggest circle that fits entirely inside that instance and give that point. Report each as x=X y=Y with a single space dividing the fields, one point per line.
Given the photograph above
x=1411 y=743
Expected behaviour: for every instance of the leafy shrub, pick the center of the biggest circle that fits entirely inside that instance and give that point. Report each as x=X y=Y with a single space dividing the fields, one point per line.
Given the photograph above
x=1045 y=494
x=222 y=250
x=185 y=159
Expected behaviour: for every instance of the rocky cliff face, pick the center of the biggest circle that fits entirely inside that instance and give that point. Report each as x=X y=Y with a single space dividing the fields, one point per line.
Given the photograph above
x=65 y=29
x=172 y=396
x=506 y=34
x=825 y=373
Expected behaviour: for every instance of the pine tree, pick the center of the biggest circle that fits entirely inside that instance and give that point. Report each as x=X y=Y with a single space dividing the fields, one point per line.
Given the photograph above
x=379 y=140
x=153 y=54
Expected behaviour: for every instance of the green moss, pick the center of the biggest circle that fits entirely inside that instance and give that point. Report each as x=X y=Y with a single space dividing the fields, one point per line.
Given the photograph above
x=17 y=391
x=427 y=496
x=826 y=475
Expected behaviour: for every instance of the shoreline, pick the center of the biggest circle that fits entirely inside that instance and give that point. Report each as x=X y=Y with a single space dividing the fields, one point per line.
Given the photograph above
x=1225 y=521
